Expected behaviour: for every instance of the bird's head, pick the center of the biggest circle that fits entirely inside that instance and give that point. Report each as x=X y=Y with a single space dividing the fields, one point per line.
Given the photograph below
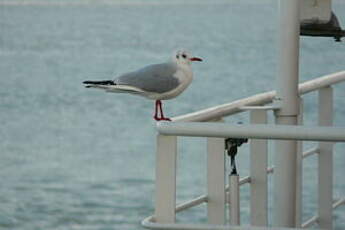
x=182 y=56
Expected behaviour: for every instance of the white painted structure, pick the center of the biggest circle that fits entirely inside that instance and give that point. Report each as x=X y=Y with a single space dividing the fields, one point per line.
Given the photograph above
x=315 y=11
x=288 y=133
x=215 y=132
x=287 y=98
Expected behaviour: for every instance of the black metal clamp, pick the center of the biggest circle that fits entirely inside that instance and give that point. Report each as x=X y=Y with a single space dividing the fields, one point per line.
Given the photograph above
x=231 y=146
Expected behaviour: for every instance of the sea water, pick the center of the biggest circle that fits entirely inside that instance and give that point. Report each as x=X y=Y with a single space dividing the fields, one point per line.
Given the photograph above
x=76 y=158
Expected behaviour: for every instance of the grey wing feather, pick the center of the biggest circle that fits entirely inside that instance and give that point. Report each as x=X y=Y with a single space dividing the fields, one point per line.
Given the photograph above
x=158 y=78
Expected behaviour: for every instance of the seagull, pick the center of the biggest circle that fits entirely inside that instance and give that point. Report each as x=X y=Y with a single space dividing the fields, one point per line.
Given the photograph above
x=157 y=82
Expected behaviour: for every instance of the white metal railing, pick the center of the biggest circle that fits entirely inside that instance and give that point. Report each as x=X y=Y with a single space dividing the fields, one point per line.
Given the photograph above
x=219 y=111
x=278 y=132
x=217 y=191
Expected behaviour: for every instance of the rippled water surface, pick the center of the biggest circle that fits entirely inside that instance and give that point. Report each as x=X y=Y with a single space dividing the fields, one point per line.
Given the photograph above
x=72 y=158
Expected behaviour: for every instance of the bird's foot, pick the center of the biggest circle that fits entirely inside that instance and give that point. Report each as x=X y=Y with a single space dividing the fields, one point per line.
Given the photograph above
x=165 y=119
x=161 y=118
x=156 y=118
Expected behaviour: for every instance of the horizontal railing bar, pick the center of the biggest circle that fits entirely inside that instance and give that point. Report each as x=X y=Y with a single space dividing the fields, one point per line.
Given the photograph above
x=314 y=219
x=227 y=109
x=224 y=110
x=149 y=223
x=268 y=107
x=339 y=202
x=247 y=179
x=191 y=203
x=310 y=222
x=244 y=180
x=258 y=131
x=311 y=152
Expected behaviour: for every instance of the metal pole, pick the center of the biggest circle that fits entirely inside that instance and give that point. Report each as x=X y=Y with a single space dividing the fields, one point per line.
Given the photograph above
x=215 y=181
x=258 y=173
x=166 y=158
x=325 y=171
x=284 y=205
x=234 y=198
x=299 y=172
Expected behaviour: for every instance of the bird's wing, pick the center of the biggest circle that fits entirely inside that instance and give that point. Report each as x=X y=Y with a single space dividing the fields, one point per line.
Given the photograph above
x=158 y=78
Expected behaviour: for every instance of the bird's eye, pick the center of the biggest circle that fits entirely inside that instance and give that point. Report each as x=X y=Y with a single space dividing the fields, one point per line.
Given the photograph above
x=177 y=56
x=184 y=56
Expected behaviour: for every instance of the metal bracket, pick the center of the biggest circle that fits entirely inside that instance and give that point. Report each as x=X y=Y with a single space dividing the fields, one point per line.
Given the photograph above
x=329 y=29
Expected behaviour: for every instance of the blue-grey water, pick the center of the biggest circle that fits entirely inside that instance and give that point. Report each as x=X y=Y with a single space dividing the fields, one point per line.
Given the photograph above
x=74 y=158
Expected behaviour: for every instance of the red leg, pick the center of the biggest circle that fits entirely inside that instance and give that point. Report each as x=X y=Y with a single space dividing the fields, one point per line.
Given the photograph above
x=161 y=111
x=156 y=111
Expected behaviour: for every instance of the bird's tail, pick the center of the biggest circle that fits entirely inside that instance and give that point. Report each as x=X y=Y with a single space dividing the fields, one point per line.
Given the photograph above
x=111 y=86
x=100 y=83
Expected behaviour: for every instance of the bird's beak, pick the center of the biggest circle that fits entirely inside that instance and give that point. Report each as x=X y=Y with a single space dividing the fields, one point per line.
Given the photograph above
x=195 y=59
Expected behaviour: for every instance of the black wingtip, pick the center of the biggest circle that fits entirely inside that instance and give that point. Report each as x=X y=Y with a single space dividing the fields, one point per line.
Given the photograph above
x=106 y=82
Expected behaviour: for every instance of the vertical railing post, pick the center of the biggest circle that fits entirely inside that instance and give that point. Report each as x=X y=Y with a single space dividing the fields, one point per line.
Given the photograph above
x=284 y=199
x=325 y=185
x=258 y=173
x=166 y=179
x=234 y=200
x=299 y=172
x=215 y=181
